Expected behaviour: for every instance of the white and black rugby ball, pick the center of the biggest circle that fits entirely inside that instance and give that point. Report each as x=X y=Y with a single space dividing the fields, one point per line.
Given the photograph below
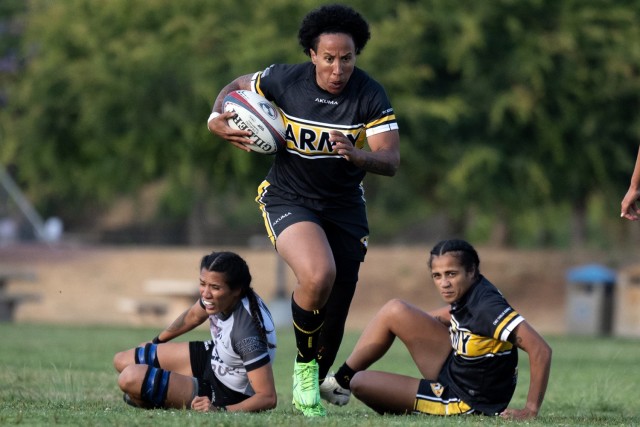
x=255 y=113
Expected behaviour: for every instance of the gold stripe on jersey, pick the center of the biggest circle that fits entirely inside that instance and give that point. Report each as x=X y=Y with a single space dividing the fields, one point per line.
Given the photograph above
x=382 y=121
x=504 y=324
x=441 y=407
x=265 y=216
x=469 y=345
x=255 y=83
x=479 y=346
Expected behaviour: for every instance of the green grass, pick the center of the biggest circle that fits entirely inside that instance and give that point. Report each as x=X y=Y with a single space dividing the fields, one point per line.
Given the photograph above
x=63 y=375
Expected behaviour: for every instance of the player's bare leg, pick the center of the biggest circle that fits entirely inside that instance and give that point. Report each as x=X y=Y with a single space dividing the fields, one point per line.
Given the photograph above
x=427 y=341
x=136 y=383
x=305 y=248
x=385 y=392
x=170 y=356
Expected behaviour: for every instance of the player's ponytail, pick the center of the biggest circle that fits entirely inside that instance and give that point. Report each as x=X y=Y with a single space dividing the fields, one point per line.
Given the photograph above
x=256 y=315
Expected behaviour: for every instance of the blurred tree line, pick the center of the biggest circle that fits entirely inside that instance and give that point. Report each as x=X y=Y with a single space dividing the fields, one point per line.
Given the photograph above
x=519 y=118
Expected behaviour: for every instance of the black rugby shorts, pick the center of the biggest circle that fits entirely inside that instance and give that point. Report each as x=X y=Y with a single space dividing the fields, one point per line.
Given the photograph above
x=208 y=383
x=346 y=227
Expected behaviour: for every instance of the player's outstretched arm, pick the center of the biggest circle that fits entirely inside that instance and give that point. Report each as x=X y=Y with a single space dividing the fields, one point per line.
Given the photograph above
x=539 y=353
x=187 y=321
x=630 y=206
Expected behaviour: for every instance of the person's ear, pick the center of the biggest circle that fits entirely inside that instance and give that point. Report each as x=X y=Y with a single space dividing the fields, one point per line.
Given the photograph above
x=474 y=271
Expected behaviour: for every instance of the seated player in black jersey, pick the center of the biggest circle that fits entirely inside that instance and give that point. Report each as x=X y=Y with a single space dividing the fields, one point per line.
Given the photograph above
x=467 y=352
x=232 y=372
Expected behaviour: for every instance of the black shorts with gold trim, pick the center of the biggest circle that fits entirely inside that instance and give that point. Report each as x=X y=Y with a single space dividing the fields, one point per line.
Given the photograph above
x=346 y=227
x=434 y=398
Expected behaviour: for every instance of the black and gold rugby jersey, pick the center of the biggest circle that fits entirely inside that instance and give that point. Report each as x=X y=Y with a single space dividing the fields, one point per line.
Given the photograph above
x=482 y=369
x=309 y=167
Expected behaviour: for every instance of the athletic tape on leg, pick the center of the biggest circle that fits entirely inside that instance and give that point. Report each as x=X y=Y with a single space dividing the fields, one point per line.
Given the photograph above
x=147 y=355
x=155 y=386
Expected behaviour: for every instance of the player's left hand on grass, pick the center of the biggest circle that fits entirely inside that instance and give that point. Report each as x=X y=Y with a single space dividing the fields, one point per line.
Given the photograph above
x=518 y=414
x=201 y=404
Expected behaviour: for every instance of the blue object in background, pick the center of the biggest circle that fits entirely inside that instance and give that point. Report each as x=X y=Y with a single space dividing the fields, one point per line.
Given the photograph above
x=590 y=294
x=592 y=273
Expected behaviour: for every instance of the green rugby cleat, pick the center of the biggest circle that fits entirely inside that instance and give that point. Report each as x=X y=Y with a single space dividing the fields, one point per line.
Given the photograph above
x=306 y=390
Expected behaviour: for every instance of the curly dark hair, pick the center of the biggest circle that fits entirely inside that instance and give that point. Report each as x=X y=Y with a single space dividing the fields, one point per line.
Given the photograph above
x=333 y=19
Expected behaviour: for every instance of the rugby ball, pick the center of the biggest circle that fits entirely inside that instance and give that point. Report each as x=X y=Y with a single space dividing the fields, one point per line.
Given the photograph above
x=258 y=115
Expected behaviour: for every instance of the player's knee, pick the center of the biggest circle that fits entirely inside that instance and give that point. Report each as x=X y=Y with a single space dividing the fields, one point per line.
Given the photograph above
x=394 y=308
x=321 y=278
x=357 y=384
x=317 y=284
x=121 y=360
x=129 y=380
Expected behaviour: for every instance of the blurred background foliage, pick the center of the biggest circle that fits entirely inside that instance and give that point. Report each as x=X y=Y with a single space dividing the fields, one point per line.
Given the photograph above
x=519 y=118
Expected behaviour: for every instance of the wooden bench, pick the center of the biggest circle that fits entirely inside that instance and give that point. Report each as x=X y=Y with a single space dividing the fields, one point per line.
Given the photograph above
x=10 y=301
x=7 y=276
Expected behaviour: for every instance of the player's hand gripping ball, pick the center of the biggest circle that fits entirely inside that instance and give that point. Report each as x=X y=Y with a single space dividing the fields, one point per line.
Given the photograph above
x=256 y=114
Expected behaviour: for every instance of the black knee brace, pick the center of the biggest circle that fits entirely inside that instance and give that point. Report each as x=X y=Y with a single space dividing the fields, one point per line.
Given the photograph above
x=147 y=355
x=155 y=386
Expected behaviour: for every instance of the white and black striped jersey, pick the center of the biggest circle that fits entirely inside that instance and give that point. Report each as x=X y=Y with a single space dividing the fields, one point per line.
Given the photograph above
x=239 y=346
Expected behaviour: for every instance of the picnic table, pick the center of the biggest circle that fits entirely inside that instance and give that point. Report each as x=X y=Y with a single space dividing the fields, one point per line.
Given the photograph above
x=9 y=301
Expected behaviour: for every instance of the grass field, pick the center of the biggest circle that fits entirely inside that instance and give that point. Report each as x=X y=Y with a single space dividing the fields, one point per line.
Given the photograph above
x=63 y=375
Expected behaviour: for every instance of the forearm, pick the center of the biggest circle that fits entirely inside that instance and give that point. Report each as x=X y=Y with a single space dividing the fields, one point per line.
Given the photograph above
x=539 y=352
x=384 y=157
x=240 y=83
x=382 y=162
x=635 y=178
x=184 y=323
x=540 y=366
x=256 y=403
x=265 y=396
x=629 y=208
